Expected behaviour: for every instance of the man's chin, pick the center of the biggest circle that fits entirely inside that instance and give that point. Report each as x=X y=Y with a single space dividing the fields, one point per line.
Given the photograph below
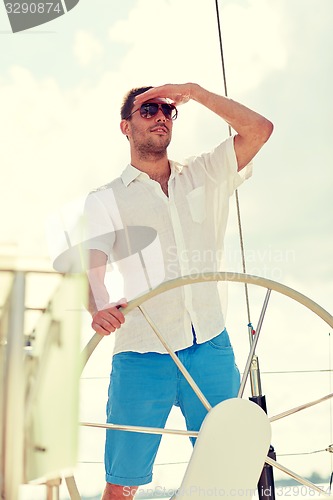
x=156 y=146
x=160 y=143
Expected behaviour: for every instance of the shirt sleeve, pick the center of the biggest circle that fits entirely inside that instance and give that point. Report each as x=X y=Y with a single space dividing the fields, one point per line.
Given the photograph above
x=99 y=228
x=220 y=165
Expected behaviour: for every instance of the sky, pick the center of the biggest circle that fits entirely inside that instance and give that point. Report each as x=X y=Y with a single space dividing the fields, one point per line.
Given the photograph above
x=61 y=86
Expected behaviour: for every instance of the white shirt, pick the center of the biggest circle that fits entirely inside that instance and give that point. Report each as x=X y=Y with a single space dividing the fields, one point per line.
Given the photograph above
x=150 y=238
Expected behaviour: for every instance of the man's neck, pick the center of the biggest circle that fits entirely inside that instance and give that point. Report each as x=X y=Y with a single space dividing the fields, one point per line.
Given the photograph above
x=157 y=169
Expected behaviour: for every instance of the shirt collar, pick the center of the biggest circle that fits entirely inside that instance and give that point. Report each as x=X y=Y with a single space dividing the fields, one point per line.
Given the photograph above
x=176 y=167
x=131 y=173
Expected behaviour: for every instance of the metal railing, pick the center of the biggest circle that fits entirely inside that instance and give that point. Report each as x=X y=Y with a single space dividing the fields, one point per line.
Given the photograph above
x=25 y=379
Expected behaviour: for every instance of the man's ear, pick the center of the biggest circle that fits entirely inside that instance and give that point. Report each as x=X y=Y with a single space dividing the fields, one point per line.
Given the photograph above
x=124 y=127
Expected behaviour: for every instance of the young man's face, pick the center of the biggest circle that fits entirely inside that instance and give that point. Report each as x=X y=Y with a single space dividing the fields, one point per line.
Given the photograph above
x=151 y=134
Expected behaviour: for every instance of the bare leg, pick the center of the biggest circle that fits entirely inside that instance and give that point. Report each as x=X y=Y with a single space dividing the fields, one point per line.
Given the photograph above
x=118 y=492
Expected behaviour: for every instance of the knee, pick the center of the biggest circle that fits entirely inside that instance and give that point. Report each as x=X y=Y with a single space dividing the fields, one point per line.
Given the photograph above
x=118 y=492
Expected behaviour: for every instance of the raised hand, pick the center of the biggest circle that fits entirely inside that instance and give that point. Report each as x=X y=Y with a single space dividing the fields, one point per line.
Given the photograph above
x=176 y=93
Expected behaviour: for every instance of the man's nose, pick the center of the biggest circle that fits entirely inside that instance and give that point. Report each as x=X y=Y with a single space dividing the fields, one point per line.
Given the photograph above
x=160 y=116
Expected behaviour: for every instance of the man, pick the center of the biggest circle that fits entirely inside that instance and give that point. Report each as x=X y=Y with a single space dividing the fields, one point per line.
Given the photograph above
x=186 y=208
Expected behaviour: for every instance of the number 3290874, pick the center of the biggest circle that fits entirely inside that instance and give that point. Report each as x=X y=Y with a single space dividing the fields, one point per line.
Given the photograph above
x=33 y=8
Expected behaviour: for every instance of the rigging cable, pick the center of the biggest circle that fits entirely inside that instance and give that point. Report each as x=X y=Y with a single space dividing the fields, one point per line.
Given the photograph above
x=330 y=387
x=236 y=192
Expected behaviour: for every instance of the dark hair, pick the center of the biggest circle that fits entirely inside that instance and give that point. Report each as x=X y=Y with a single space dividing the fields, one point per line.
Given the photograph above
x=127 y=105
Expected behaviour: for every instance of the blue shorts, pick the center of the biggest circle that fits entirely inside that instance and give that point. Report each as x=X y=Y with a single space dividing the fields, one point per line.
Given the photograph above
x=144 y=388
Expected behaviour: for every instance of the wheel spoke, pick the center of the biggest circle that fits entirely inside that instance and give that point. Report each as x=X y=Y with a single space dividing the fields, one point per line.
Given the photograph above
x=176 y=360
x=295 y=476
x=301 y=407
x=253 y=345
x=144 y=430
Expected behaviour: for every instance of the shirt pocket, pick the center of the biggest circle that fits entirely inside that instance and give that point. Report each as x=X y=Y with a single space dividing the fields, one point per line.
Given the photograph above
x=197 y=203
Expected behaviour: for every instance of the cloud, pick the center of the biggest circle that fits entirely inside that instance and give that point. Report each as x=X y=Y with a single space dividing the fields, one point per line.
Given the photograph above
x=56 y=146
x=184 y=43
x=87 y=48
x=255 y=44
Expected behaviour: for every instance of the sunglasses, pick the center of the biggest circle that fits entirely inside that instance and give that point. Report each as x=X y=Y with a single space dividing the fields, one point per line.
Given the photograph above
x=150 y=109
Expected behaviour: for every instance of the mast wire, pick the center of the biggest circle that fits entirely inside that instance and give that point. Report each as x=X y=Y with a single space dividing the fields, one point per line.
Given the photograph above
x=330 y=387
x=240 y=230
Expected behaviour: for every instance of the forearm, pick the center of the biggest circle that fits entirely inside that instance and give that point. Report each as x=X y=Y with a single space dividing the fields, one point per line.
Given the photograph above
x=106 y=317
x=242 y=119
x=98 y=297
x=252 y=129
